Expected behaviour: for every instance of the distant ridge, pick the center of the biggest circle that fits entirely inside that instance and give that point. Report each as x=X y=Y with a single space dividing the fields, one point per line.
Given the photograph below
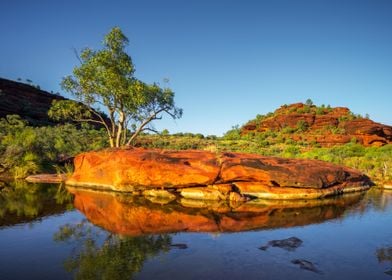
x=30 y=103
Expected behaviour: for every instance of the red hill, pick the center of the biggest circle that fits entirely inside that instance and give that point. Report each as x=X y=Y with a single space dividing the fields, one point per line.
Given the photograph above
x=325 y=126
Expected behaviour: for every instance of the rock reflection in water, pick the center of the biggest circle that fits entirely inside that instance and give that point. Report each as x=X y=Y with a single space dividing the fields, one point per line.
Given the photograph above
x=135 y=215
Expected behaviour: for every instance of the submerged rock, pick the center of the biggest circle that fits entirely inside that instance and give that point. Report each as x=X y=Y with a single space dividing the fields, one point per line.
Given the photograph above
x=180 y=246
x=306 y=265
x=289 y=244
x=213 y=176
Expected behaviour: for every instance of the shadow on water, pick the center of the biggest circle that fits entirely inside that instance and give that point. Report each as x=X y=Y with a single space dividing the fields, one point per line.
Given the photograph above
x=22 y=202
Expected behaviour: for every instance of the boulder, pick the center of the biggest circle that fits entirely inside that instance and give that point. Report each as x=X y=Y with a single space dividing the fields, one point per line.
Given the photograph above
x=213 y=176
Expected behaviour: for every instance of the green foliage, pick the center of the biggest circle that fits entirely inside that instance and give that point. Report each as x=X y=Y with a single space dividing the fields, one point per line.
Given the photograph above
x=26 y=150
x=105 y=79
x=375 y=162
x=309 y=102
x=320 y=111
x=291 y=151
x=233 y=134
x=165 y=132
x=337 y=130
x=302 y=126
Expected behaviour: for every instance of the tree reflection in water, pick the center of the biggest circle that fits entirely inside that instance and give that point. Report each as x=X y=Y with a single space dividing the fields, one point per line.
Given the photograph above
x=98 y=254
x=24 y=202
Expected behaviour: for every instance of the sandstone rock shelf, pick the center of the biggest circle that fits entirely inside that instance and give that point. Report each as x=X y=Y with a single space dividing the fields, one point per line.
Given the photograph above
x=213 y=176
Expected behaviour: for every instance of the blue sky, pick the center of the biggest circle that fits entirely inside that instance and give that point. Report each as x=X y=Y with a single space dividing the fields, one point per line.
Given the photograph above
x=226 y=60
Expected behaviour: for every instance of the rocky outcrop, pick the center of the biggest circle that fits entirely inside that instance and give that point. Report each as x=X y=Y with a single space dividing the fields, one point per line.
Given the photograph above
x=322 y=125
x=133 y=215
x=29 y=102
x=215 y=176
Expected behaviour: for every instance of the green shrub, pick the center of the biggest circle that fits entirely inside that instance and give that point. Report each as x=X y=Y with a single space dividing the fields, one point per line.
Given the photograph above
x=26 y=150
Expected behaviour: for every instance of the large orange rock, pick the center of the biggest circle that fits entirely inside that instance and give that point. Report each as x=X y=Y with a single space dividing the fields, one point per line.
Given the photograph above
x=132 y=170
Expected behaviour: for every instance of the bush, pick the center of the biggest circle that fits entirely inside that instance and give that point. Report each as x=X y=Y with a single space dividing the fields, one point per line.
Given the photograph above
x=26 y=150
x=233 y=134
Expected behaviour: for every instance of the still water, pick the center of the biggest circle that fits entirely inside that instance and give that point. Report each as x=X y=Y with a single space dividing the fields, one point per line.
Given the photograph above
x=51 y=232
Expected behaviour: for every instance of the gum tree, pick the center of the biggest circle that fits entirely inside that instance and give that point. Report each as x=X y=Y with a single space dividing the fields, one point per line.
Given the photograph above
x=108 y=93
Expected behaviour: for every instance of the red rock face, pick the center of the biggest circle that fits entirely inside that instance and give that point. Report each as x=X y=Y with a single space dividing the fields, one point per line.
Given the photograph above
x=133 y=216
x=365 y=131
x=137 y=169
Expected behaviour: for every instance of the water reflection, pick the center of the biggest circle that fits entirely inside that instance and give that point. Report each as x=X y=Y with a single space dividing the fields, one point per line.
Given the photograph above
x=134 y=216
x=23 y=202
x=101 y=255
x=114 y=236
